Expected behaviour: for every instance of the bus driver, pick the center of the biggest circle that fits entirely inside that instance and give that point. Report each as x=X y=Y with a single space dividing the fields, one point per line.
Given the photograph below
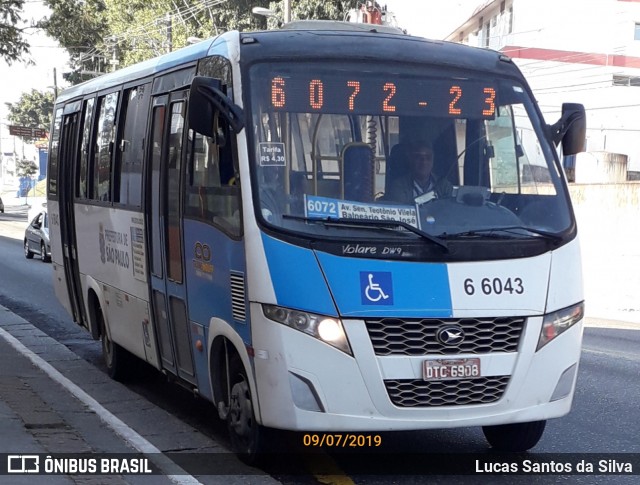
x=419 y=180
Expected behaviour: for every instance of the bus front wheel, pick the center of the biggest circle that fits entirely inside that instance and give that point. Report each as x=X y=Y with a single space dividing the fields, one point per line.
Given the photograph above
x=514 y=437
x=247 y=436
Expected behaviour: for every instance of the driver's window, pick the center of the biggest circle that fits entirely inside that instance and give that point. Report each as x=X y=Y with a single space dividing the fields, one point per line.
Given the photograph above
x=517 y=164
x=213 y=192
x=212 y=182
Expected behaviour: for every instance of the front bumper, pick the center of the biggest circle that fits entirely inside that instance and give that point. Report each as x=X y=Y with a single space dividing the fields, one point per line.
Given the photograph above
x=304 y=384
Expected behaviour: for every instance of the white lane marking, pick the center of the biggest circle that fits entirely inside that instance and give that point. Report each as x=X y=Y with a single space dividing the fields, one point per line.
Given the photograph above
x=174 y=472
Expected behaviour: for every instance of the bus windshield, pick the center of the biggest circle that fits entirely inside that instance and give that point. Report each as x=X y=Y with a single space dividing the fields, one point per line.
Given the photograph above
x=451 y=153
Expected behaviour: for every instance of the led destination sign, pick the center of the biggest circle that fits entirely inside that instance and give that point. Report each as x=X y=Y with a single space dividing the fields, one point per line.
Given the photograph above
x=344 y=93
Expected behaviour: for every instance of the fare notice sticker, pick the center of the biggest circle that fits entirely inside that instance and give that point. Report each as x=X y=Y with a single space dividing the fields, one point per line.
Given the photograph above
x=272 y=154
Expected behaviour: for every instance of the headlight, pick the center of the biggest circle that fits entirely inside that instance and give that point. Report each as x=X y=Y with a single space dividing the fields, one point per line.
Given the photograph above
x=327 y=329
x=557 y=322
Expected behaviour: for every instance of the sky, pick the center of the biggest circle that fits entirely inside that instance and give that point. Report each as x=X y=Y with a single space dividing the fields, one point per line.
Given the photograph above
x=425 y=18
x=433 y=19
x=47 y=55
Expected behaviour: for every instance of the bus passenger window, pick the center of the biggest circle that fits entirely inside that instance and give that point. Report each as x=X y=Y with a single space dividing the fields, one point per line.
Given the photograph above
x=53 y=157
x=130 y=153
x=85 y=144
x=104 y=147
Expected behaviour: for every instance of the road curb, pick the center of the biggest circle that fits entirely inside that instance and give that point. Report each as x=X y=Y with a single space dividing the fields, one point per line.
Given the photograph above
x=113 y=404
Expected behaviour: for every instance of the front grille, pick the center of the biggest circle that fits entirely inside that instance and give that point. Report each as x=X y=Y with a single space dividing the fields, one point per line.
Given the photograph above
x=409 y=393
x=394 y=336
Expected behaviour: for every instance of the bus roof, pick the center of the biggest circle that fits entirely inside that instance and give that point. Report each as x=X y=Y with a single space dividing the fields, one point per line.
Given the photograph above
x=323 y=42
x=142 y=69
x=311 y=40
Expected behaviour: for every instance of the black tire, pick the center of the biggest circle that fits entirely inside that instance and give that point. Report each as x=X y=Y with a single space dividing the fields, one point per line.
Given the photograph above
x=516 y=437
x=116 y=359
x=27 y=252
x=43 y=253
x=248 y=438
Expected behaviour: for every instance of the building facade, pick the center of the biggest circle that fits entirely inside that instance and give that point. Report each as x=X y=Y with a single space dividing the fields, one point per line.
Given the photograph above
x=579 y=51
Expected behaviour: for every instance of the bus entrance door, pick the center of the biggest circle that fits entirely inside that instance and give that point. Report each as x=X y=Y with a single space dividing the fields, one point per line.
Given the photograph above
x=164 y=217
x=67 y=216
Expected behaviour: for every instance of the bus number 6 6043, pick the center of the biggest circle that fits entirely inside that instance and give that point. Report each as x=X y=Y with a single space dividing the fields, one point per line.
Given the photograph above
x=494 y=286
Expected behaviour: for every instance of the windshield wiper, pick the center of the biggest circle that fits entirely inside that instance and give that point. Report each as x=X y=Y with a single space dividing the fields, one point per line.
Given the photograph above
x=372 y=223
x=493 y=231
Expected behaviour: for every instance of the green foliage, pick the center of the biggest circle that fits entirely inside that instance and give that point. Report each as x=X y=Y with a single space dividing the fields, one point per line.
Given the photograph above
x=33 y=110
x=12 y=44
x=97 y=31
x=80 y=28
x=26 y=168
x=312 y=10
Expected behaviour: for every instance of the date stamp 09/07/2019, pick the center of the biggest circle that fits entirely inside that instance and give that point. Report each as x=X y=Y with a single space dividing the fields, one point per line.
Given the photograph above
x=341 y=440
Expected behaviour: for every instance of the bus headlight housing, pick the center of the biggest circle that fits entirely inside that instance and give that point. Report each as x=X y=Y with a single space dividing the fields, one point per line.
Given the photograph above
x=327 y=329
x=559 y=321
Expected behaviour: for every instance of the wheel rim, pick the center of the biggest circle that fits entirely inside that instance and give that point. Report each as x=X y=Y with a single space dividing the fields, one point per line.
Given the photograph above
x=241 y=412
x=26 y=248
x=43 y=254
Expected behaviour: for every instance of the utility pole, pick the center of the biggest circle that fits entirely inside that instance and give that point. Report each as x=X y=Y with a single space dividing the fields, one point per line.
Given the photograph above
x=114 y=53
x=287 y=11
x=168 y=21
x=55 y=82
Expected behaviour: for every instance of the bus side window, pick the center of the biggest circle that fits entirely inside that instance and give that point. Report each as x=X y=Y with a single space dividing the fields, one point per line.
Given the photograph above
x=130 y=149
x=82 y=189
x=105 y=139
x=213 y=194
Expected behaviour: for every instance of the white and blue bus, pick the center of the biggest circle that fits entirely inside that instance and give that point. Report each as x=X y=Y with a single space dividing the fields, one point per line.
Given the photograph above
x=225 y=213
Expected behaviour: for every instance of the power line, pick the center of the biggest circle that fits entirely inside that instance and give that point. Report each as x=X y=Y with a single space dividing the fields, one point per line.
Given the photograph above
x=148 y=32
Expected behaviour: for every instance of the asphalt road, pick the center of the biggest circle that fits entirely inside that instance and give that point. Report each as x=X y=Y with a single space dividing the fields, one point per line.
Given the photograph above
x=604 y=419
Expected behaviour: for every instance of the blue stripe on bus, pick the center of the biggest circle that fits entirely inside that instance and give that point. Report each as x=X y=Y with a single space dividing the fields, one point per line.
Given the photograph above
x=367 y=287
x=296 y=277
x=209 y=292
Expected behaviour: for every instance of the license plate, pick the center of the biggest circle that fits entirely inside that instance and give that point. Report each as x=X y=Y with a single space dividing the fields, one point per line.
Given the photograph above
x=448 y=369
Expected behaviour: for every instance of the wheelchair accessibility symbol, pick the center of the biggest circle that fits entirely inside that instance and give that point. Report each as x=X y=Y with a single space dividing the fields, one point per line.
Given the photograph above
x=376 y=288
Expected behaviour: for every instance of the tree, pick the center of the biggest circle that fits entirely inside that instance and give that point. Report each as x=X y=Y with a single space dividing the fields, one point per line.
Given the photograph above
x=12 y=44
x=96 y=31
x=33 y=110
x=134 y=30
x=80 y=28
x=142 y=29
x=314 y=10
x=26 y=169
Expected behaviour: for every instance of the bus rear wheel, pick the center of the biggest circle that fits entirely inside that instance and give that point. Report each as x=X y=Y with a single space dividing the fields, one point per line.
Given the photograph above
x=515 y=437
x=115 y=357
x=247 y=436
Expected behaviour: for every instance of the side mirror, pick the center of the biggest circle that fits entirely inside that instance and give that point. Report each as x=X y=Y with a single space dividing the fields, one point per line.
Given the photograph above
x=205 y=100
x=571 y=129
